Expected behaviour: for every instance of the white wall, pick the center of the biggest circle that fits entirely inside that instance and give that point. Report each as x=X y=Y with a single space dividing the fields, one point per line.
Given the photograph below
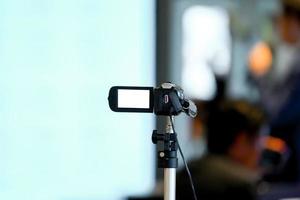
x=58 y=138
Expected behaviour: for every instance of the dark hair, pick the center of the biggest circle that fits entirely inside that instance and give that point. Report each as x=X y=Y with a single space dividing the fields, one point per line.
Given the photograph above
x=291 y=8
x=228 y=121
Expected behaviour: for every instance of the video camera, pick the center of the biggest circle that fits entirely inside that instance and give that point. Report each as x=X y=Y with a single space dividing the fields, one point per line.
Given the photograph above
x=167 y=100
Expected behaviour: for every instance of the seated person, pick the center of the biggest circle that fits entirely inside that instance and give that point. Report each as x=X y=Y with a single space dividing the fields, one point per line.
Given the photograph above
x=229 y=170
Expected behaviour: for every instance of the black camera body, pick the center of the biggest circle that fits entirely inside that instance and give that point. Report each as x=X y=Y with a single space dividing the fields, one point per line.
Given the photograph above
x=167 y=100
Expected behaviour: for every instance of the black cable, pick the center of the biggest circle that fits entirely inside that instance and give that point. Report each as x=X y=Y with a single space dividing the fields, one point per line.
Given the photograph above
x=185 y=164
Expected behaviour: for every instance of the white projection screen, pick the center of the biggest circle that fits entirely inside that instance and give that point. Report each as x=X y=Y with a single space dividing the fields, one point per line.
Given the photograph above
x=58 y=138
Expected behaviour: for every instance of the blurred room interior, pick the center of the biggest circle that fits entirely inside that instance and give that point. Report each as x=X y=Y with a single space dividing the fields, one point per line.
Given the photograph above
x=58 y=59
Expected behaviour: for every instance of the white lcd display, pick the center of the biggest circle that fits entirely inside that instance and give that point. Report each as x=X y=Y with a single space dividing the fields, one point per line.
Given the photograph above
x=130 y=98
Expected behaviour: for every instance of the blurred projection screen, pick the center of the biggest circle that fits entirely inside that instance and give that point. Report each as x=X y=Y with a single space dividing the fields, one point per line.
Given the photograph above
x=58 y=138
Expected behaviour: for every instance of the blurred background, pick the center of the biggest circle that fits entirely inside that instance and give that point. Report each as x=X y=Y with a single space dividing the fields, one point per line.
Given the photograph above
x=58 y=58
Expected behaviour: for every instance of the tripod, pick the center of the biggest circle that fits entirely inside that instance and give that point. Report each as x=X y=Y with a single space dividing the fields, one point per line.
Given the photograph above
x=167 y=158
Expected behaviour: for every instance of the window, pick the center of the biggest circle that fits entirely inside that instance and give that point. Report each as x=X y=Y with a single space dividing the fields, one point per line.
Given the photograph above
x=206 y=50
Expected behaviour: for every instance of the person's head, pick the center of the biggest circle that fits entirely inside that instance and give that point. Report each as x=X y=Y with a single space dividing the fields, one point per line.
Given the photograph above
x=233 y=130
x=289 y=21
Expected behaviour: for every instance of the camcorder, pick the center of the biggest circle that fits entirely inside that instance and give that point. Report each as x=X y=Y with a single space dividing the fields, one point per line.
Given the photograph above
x=166 y=100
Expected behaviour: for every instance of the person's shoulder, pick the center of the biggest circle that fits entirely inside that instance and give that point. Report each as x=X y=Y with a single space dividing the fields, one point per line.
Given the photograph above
x=220 y=170
x=232 y=171
x=217 y=176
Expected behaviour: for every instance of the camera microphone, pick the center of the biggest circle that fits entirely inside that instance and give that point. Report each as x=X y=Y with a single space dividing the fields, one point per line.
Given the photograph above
x=190 y=108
